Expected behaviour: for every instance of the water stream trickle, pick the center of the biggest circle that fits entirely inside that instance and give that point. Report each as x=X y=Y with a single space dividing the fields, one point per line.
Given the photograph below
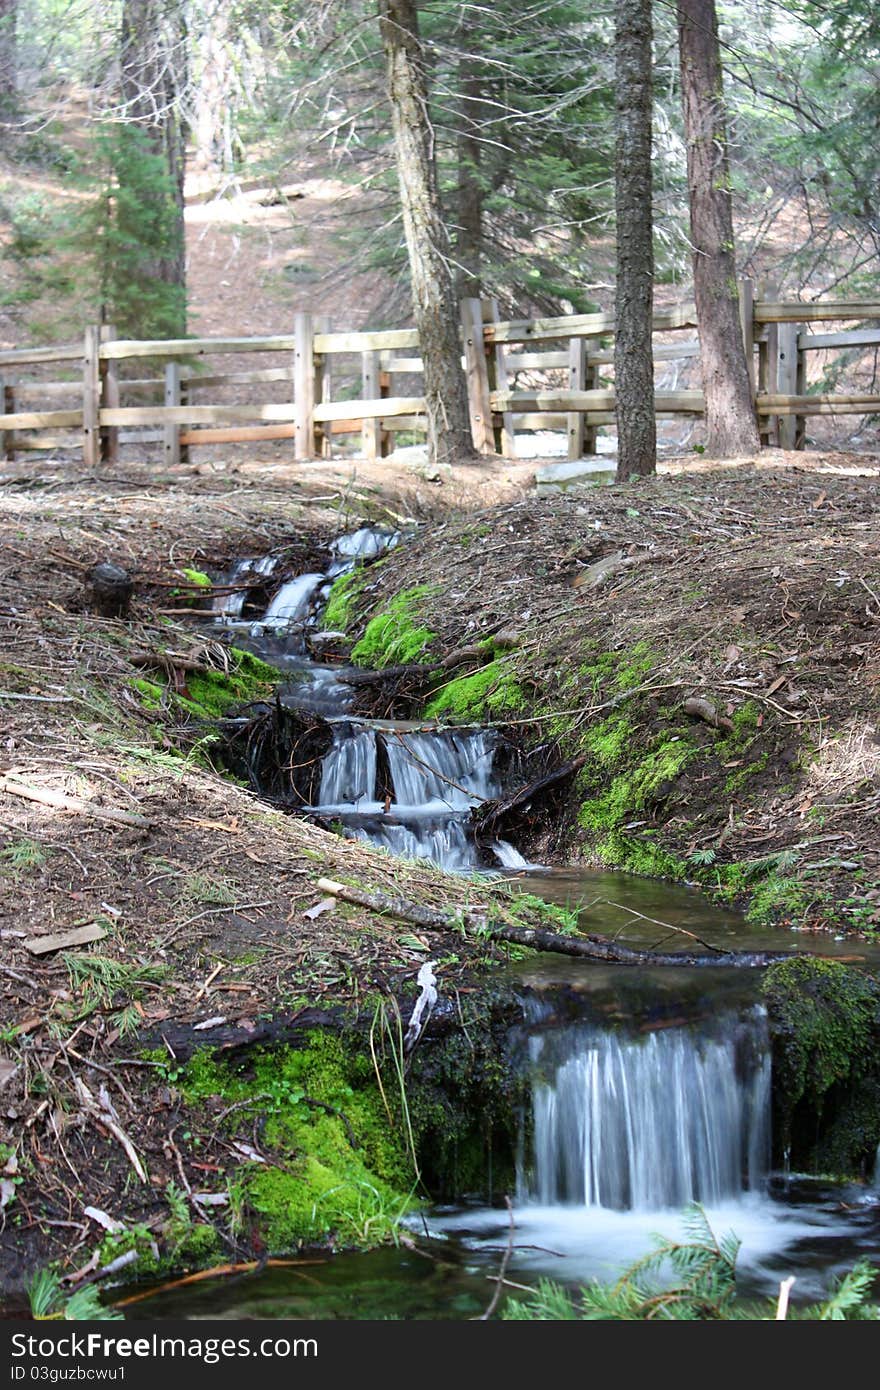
x=636 y=1110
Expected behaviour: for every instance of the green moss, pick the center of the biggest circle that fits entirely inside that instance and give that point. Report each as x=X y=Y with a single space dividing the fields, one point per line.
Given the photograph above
x=339 y=609
x=636 y=790
x=395 y=636
x=322 y=1185
x=642 y=856
x=211 y=694
x=197 y=577
x=825 y=1020
x=493 y=690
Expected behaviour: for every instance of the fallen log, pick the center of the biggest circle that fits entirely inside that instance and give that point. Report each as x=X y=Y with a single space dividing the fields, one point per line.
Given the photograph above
x=540 y=939
x=62 y=802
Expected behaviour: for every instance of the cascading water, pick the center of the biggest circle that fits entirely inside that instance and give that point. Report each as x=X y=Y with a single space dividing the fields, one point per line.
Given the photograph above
x=435 y=778
x=408 y=790
x=646 y=1123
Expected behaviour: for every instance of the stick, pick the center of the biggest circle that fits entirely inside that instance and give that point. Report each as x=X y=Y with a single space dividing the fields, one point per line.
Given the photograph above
x=505 y=1261
x=782 y=1305
x=46 y=797
x=538 y=938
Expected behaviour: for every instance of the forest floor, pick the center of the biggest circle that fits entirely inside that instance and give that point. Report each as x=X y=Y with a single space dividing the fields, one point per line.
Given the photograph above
x=749 y=588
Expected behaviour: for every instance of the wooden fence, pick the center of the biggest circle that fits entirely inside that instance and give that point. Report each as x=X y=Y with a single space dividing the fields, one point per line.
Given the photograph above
x=522 y=375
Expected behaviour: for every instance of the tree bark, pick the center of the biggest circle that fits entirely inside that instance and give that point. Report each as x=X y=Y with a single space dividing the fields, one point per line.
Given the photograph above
x=427 y=243
x=8 y=56
x=633 y=358
x=153 y=80
x=731 y=423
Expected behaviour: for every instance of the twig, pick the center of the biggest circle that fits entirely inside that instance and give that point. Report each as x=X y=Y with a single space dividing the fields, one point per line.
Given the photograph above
x=657 y=922
x=505 y=1261
x=782 y=1304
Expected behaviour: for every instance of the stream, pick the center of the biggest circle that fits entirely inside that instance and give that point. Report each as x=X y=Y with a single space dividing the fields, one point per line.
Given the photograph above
x=650 y=1088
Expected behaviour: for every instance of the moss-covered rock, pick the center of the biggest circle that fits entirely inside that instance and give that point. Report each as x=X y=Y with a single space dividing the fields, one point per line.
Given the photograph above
x=396 y=637
x=208 y=695
x=825 y=1022
x=341 y=1169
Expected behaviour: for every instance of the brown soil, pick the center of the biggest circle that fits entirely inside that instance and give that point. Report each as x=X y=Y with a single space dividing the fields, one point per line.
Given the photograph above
x=761 y=583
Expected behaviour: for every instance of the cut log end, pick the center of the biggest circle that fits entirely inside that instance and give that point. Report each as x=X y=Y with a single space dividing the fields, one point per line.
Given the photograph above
x=108 y=590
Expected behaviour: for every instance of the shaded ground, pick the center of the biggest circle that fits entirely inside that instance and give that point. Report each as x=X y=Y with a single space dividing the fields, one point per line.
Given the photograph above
x=743 y=587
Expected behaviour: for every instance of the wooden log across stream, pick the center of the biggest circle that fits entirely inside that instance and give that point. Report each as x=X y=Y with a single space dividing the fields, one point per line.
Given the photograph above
x=585 y=947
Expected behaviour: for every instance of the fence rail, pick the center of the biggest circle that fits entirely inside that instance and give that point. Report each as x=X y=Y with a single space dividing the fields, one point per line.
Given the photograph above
x=522 y=374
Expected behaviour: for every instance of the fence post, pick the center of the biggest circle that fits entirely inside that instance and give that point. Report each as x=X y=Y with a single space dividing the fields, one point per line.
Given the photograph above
x=171 y=431
x=499 y=380
x=109 y=398
x=7 y=402
x=323 y=388
x=800 y=386
x=371 y=432
x=786 y=380
x=591 y=382
x=577 y=375
x=304 y=387
x=747 y=322
x=477 y=376
x=91 y=426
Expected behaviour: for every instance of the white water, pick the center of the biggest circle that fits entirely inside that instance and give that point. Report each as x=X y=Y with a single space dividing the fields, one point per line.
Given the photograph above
x=436 y=778
x=229 y=606
x=293 y=600
x=628 y=1130
x=643 y=1123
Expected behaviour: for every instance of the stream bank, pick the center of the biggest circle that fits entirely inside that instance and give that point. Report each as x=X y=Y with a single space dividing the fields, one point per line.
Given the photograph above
x=207 y=904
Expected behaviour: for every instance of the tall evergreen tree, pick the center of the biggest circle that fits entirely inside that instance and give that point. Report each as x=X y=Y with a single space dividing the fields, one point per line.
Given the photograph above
x=633 y=357
x=731 y=424
x=434 y=302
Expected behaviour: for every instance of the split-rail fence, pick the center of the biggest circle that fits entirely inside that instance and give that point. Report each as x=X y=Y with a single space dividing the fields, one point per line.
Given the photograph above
x=522 y=375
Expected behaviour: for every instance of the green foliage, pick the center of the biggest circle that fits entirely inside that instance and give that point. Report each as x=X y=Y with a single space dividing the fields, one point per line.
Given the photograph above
x=197 y=577
x=130 y=229
x=825 y=1017
x=210 y=694
x=101 y=983
x=340 y=605
x=394 y=637
x=21 y=857
x=688 y=1281
x=49 y=1301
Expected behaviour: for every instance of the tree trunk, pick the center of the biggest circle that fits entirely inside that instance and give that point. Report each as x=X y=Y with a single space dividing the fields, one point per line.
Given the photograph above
x=434 y=303
x=154 y=70
x=731 y=423
x=216 y=87
x=8 y=56
x=633 y=357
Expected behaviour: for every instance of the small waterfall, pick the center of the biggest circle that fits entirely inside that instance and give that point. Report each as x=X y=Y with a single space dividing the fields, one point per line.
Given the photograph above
x=435 y=778
x=229 y=606
x=454 y=769
x=348 y=778
x=294 y=599
x=408 y=789
x=646 y=1123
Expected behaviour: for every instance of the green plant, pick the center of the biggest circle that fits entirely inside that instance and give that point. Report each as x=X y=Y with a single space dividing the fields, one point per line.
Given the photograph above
x=49 y=1301
x=22 y=856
